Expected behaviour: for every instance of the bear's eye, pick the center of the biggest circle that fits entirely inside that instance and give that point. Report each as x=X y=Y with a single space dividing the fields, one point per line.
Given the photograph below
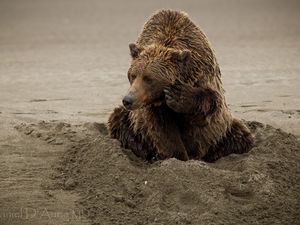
x=147 y=79
x=131 y=78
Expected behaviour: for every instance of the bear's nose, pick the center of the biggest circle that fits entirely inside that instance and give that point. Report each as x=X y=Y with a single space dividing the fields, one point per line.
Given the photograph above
x=127 y=101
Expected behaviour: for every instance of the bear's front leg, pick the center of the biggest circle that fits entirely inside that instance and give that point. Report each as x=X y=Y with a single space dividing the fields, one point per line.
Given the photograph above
x=165 y=134
x=192 y=100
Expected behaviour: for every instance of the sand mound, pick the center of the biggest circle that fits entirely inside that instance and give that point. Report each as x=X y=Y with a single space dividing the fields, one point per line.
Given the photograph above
x=260 y=187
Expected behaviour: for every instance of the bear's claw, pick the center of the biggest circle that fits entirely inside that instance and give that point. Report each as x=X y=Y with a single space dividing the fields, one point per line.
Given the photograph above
x=167 y=94
x=171 y=100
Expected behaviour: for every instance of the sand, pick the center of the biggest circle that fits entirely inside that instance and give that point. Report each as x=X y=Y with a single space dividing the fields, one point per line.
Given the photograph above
x=63 y=69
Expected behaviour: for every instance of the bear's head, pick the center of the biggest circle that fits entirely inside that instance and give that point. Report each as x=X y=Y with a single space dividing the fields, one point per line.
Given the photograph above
x=152 y=69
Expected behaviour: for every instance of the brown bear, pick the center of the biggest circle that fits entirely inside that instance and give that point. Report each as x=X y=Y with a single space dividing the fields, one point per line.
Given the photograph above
x=176 y=105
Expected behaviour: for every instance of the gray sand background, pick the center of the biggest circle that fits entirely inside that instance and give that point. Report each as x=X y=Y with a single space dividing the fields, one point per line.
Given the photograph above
x=65 y=62
x=68 y=59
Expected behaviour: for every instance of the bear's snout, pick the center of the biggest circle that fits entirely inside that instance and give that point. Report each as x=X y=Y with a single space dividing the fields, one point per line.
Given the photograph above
x=128 y=101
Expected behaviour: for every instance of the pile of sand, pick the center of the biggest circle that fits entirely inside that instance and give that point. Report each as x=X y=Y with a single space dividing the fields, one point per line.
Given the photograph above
x=115 y=187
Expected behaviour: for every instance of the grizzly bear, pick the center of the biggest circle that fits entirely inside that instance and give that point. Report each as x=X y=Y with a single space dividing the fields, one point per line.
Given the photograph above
x=175 y=106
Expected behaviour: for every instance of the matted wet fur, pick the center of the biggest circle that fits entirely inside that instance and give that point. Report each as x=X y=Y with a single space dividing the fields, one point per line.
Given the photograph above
x=176 y=105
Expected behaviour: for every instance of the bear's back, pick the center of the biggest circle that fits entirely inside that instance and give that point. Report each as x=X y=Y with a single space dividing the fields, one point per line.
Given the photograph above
x=172 y=29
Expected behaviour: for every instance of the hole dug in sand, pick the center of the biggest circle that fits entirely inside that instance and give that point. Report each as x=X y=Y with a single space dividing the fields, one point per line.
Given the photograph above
x=115 y=187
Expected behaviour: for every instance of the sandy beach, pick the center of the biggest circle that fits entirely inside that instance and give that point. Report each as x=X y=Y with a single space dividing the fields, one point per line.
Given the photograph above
x=63 y=68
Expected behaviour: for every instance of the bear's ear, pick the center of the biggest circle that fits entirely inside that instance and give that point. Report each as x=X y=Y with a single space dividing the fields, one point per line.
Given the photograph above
x=181 y=56
x=134 y=50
